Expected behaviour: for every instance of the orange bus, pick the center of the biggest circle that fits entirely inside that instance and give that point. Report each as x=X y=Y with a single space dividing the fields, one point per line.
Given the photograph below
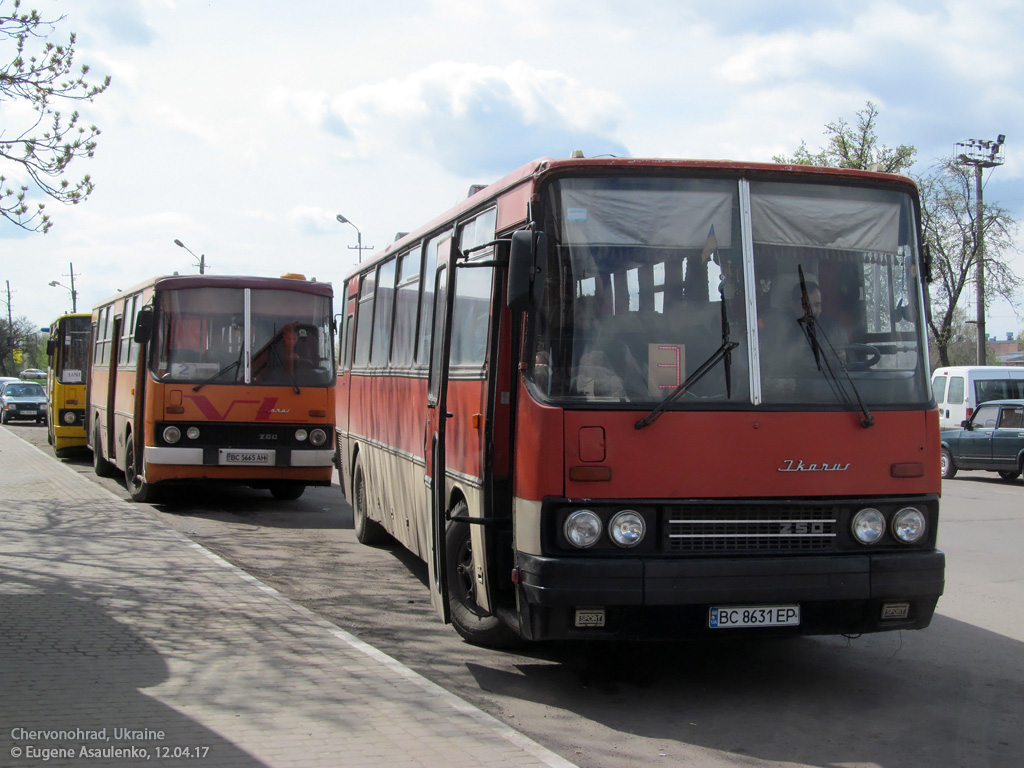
x=214 y=378
x=627 y=398
x=67 y=370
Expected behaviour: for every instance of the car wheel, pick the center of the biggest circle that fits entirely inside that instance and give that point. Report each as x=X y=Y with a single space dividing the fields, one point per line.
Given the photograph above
x=1009 y=475
x=947 y=465
x=286 y=491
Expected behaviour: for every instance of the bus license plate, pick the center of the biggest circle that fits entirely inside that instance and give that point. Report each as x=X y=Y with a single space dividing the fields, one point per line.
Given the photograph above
x=246 y=457
x=738 y=616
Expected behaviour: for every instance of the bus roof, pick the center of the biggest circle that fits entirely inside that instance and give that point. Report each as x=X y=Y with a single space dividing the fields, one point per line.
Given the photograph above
x=178 y=282
x=546 y=166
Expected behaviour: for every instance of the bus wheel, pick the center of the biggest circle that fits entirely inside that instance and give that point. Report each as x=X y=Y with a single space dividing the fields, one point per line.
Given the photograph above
x=100 y=465
x=286 y=491
x=947 y=465
x=138 y=488
x=367 y=531
x=475 y=625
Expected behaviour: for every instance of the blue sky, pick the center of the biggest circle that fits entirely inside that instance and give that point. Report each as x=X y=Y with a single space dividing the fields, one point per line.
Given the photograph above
x=242 y=127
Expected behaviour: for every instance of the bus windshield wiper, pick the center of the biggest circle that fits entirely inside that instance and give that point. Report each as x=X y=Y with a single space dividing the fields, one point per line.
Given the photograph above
x=217 y=375
x=811 y=329
x=724 y=352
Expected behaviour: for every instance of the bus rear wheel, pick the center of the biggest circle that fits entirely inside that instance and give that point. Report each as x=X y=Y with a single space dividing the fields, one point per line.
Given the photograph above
x=367 y=531
x=100 y=465
x=474 y=624
x=138 y=488
x=286 y=491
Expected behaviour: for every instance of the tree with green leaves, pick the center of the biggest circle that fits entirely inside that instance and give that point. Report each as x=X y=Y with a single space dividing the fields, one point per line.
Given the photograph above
x=949 y=221
x=36 y=154
x=855 y=147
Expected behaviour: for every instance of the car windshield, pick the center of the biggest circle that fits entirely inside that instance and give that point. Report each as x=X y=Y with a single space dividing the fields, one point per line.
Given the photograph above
x=24 y=390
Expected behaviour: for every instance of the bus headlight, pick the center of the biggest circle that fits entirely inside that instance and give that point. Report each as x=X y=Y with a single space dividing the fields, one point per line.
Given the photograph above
x=317 y=437
x=172 y=435
x=909 y=525
x=69 y=417
x=192 y=433
x=301 y=435
x=627 y=528
x=582 y=528
x=868 y=525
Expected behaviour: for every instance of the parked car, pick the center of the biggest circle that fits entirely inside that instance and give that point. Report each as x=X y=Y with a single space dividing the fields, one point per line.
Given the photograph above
x=961 y=389
x=22 y=400
x=33 y=373
x=992 y=439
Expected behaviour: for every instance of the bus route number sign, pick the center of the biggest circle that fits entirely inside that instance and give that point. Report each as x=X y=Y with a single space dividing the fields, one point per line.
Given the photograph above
x=738 y=616
x=246 y=457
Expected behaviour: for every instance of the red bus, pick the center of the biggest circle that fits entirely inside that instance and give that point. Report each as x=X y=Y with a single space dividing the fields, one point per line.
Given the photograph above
x=618 y=398
x=214 y=378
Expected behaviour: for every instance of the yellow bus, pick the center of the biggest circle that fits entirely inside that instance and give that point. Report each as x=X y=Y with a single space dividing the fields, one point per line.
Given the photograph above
x=67 y=371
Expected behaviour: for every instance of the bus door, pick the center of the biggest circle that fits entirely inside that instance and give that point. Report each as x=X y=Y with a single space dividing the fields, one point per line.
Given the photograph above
x=111 y=426
x=436 y=425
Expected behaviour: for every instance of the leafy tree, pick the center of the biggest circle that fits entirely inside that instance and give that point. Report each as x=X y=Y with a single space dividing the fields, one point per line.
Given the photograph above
x=40 y=74
x=948 y=218
x=21 y=335
x=854 y=147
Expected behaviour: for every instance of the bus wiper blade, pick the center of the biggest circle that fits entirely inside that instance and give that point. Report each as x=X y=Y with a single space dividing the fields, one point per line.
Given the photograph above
x=217 y=375
x=722 y=352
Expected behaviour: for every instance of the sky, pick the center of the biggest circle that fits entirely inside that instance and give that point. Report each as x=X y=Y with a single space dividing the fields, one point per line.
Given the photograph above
x=243 y=128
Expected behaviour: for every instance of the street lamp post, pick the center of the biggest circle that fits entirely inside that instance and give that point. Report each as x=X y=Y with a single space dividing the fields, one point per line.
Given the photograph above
x=359 y=237
x=74 y=293
x=981 y=154
x=200 y=260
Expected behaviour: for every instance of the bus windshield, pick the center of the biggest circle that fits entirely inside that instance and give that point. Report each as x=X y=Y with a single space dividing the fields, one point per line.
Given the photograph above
x=73 y=361
x=784 y=294
x=202 y=334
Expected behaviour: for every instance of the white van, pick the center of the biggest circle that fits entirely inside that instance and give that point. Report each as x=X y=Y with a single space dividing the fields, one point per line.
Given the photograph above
x=959 y=390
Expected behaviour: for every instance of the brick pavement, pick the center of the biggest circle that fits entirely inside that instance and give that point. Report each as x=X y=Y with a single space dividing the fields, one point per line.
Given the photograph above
x=122 y=638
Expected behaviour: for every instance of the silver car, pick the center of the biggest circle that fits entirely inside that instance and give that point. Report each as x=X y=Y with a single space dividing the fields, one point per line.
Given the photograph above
x=22 y=400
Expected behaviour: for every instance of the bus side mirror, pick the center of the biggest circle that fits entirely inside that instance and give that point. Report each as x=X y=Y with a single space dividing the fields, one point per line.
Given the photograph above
x=926 y=261
x=525 y=271
x=143 y=325
x=50 y=347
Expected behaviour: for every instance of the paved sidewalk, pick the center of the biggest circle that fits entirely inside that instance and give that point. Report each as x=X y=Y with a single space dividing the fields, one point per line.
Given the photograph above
x=122 y=642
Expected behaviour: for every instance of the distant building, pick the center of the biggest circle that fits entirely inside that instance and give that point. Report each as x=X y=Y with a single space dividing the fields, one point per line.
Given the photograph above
x=1005 y=352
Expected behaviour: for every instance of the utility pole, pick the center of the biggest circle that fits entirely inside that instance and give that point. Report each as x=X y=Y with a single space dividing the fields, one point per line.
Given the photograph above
x=982 y=154
x=10 y=326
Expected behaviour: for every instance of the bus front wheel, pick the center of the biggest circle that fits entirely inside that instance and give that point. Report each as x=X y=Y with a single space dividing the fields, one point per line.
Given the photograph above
x=138 y=488
x=474 y=624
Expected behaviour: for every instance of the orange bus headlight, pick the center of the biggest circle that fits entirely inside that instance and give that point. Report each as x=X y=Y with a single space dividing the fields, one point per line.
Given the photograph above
x=172 y=435
x=317 y=437
x=301 y=435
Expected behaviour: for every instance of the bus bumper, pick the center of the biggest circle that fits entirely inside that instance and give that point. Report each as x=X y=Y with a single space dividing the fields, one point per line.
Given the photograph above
x=671 y=599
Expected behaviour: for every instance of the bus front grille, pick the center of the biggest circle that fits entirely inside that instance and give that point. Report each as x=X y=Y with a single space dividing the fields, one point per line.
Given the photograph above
x=748 y=529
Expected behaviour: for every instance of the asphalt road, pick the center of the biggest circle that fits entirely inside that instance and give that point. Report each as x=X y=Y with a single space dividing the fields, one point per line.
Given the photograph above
x=950 y=695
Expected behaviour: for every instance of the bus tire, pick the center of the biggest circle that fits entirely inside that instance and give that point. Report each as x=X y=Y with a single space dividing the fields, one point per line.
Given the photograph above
x=138 y=489
x=476 y=626
x=367 y=531
x=947 y=465
x=284 y=491
x=100 y=465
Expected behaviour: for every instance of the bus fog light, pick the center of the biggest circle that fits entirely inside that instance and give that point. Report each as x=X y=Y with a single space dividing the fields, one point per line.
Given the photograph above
x=301 y=435
x=582 y=528
x=868 y=525
x=317 y=437
x=627 y=528
x=192 y=433
x=69 y=417
x=172 y=435
x=909 y=525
